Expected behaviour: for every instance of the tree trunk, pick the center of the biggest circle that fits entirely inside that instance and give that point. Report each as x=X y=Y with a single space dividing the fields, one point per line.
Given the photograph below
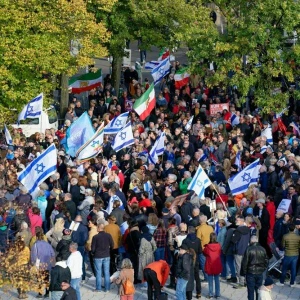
x=116 y=73
x=64 y=95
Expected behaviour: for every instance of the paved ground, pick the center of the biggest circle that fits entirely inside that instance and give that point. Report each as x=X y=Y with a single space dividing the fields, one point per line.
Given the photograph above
x=227 y=292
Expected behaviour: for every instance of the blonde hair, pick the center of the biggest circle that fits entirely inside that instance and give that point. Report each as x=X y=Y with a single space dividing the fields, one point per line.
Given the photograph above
x=59 y=225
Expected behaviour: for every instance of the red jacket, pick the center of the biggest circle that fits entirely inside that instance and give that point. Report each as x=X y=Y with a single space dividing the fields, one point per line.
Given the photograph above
x=213 y=264
x=145 y=203
x=162 y=270
x=270 y=206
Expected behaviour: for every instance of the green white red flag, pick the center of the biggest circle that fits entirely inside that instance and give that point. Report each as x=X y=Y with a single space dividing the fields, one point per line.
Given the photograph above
x=163 y=54
x=146 y=103
x=181 y=78
x=85 y=82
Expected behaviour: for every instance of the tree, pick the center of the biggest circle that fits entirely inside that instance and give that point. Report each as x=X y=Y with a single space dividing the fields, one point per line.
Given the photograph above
x=158 y=23
x=257 y=51
x=35 y=46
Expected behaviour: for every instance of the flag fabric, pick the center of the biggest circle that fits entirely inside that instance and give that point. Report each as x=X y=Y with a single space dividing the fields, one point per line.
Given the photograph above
x=116 y=124
x=281 y=126
x=93 y=146
x=182 y=78
x=279 y=115
x=124 y=138
x=213 y=158
x=199 y=182
x=148 y=188
x=188 y=125
x=241 y=181
x=202 y=158
x=39 y=169
x=263 y=149
x=160 y=147
x=163 y=54
x=267 y=132
x=238 y=161
x=234 y=119
x=160 y=71
x=8 y=138
x=85 y=82
x=151 y=64
x=80 y=131
x=33 y=109
x=295 y=128
x=146 y=103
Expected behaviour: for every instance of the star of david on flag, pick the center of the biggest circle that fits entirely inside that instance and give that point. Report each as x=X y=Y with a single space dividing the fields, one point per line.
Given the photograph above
x=33 y=109
x=116 y=124
x=39 y=169
x=199 y=182
x=241 y=181
x=124 y=138
x=159 y=72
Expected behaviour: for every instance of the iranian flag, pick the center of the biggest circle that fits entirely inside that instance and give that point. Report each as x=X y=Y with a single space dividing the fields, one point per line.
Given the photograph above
x=163 y=54
x=181 y=78
x=85 y=82
x=145 y=104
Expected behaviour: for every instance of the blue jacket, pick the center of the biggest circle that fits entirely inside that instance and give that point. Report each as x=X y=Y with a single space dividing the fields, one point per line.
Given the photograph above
x=240 y=240
x=44 y=252
x=80 y=236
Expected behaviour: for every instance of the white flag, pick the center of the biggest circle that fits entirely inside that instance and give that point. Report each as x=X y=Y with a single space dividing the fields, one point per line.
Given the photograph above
x=124 y=138
x=33 y=109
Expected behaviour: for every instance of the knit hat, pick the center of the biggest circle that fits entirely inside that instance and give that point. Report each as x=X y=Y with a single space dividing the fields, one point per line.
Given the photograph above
x=269 y=281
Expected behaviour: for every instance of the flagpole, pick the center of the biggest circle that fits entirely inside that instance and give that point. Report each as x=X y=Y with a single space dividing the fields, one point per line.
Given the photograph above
x=222 y=201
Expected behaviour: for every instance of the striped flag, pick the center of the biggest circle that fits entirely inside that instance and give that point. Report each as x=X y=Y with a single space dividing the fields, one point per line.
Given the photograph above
x=159 y=72
x=188 y=125
x=199 y=182
x=85 y=82
x=8 y=138
x=238 y=161
x=234 y=119
x=148 y=188
x=163 y=54
x=295 y=128
x=267 y=132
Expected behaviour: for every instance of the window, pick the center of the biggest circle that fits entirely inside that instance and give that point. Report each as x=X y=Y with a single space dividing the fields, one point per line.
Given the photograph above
x=52 y=115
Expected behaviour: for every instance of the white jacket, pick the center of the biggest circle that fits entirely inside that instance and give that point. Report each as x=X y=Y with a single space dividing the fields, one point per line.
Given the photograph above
x=264 y=293
x=74 y=262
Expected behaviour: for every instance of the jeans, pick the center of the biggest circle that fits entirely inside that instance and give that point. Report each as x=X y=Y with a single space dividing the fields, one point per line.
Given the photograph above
x=238 y=264
x=224 y=265
x=254 y=281
x=181 y=289
x=81 y=249
x=56 y=295
x=99 y=263
x=75 y=284
x=289 y=262
x=230 y=264
x=202 y=260
x=159 y=254
x=211 y=279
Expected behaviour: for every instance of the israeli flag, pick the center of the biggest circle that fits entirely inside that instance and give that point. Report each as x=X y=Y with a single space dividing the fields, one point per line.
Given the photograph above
x=8 y=138
x=116 y=124
x=238 y=161
x=39 y=169
x=153 y=158
x=279 y=115
x=199 y=182
x=295 y=128
x=159 y=72
x=241 y=181
x=263 y=149
x=148 y=188
x=188 y=125
x=160 y=147
x=150 y=65
x=235 y=120
x=124 y=138
x=33 y=109
x=268 y=134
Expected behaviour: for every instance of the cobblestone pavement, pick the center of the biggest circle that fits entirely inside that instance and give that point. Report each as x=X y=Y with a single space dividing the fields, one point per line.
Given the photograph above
x=227 y=292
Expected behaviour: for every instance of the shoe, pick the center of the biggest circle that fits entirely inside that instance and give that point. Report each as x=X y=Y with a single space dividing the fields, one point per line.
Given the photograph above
x=97 y=291
x=46 y=295
x=279 y=284
x=198 y=296
x=82 y=282
x=239 y=286
x=223 y=278
x=292 y=285
x=204 y=282
x=209 y=297
x=39 y=296
x=217 y=297
x=232 y=279
x=170 y=286
x=92 y=278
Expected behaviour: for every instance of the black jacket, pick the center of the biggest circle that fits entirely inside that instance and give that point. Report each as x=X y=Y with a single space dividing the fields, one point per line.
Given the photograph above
x=193 y=242
x=69 y=294
x=63 y=247
x=240 y=240
x=102 y=244
x=71 y=207
x=264 y=219
x=184 y=266
x=255 y=260
x=59 y=273
x=205 y=210
x=118 y=213
x=278 y=232
x=186 y=212
x=17 y=221
x=76 y=196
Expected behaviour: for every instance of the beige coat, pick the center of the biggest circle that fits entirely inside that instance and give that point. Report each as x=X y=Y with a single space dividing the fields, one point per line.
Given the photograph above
x=124 y=274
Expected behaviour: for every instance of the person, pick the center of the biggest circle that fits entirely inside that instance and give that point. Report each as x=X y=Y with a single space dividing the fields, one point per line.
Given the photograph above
x=126 y=273
x=291 y=246
x=69 y=292
x=213 y=265
x=159 y=236
x=55 y=234
x=240 y=240
x=254 y=264
x=264 y=292
x=74 y=262
x=63 y=245
x=59 y=273
x=183 y=271
x=156 y=275
x=42 y=256
x=102 y=244
x=193 y=242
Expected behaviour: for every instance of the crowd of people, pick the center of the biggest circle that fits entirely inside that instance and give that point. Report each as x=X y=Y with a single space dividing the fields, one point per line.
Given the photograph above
x=98 y=215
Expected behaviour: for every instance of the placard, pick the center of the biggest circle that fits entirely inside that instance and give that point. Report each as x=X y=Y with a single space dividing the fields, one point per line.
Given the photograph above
x=215 y=108
x=284 y=205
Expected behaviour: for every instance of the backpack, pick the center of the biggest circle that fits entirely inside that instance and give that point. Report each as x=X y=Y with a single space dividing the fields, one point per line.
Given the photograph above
x=128 y=287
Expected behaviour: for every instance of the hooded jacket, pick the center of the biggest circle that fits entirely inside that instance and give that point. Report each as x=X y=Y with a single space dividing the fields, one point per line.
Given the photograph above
x=213 y=264
x=184 y=266
x=240 y=240
x=42 y=205
x=59 y=273
x=193 y=242
x=63 y=247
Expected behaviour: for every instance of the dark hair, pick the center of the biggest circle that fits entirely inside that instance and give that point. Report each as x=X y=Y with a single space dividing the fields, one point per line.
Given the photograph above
x=213 y=238
x=172 y=221
x=230 y=203
x=292 y=227
x=191 y=229
x=36 y=210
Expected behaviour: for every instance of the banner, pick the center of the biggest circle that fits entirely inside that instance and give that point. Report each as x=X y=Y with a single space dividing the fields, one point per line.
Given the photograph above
x=215 y=108
x=284 y=205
